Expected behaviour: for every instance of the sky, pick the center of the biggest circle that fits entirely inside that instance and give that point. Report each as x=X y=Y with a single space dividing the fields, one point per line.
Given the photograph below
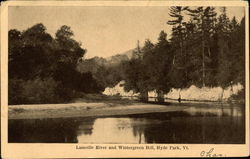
x=103 y=31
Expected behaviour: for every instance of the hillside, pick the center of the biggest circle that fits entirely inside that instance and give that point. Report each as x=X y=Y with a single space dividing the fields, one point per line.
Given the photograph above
x=93 y=64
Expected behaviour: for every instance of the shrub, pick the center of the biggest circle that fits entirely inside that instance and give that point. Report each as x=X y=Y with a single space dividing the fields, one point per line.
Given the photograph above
x=35 y=91
x=15 y=91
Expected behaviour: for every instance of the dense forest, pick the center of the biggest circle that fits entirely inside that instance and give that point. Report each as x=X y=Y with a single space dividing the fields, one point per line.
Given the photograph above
x=203 y=49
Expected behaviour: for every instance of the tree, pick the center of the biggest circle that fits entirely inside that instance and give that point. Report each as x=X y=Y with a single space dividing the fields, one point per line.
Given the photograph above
x=241 y=51
x=40 y=63
x=179 y=71
x=192 y=57
x=237 y=41
x=29 y=51
x=69 y=50
x=224 y=60
x=177 y=30
x=205 y=21
x=158 y=61
x=135 y=78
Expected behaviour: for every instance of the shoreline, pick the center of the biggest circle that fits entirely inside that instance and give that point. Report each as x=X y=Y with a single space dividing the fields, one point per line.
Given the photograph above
x=100 y=109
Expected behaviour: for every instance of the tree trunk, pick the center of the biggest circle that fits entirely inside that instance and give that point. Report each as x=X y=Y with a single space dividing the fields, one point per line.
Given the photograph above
x=179 y=99
x=160 y=96
x=185 y=63
x=221 y=97
x=232 y=91
x=144 y=96
x=174 y=60
x=203 y=60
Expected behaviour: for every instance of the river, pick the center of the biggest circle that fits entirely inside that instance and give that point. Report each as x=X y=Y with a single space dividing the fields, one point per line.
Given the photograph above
x=208 y=125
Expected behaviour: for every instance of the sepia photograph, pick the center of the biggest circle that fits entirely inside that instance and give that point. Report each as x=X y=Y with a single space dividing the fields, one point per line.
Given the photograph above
x=126 y=74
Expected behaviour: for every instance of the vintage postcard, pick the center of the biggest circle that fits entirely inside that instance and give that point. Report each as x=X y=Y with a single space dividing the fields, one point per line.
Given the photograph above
x=105 y=79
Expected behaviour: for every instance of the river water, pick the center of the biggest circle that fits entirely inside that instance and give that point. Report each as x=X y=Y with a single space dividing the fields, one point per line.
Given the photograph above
x=213 y=125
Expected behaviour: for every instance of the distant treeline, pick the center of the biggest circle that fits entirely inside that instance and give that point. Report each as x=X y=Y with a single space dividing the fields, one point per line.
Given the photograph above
x=205 y=50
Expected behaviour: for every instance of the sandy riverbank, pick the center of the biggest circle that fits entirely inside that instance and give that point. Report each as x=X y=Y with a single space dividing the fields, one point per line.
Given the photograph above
x=90 y=109
x=84 y=110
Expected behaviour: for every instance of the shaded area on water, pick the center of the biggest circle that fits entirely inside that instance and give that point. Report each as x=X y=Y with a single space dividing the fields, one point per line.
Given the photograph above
x=216 y=125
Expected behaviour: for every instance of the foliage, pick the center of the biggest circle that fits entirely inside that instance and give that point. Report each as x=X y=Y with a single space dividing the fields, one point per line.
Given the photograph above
x=203 y=50
x=43 y=69
x=34 y=91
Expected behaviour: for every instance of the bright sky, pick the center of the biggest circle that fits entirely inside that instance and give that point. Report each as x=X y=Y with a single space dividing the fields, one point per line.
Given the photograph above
x=103 y=31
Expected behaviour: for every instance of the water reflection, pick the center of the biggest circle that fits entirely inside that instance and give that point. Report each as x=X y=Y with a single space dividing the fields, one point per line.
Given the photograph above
x=48 y=130
x=216 y=111
x=194 y=125
x=111 y=130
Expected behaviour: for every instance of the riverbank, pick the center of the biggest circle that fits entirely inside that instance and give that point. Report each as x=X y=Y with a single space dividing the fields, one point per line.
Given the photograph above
x=94 y=109
x=84 y=110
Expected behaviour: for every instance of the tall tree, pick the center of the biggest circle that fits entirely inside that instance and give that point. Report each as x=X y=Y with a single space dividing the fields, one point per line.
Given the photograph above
x=205 y=19
x=164 y=57
x=176 y=12
x=157 y=63
x=224 y=74
x=237 y=47
x=179 y=68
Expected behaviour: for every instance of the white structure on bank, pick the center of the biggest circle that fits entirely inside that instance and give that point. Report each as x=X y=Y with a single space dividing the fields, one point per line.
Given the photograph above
x=191 y=93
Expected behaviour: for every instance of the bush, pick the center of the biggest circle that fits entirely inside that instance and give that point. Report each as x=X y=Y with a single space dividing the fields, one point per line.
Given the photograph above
x=15 y=91
x=239 y=97
x=35 y=91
